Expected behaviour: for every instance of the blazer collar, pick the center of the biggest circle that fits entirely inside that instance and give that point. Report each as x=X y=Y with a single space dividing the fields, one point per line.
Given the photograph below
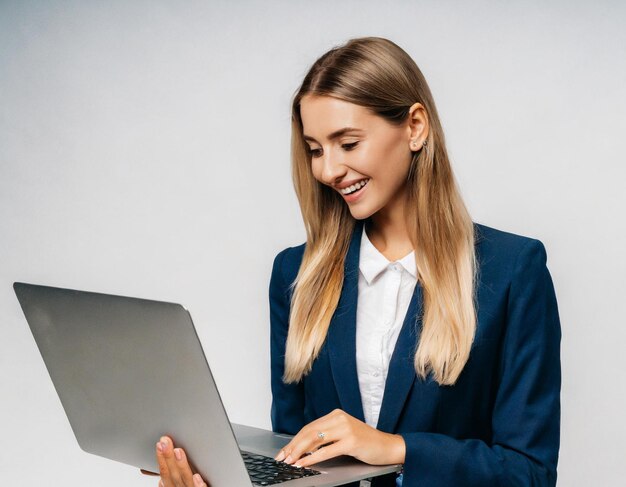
x=341 y=342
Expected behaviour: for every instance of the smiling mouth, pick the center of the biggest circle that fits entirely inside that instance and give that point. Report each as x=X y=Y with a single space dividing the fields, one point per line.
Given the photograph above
x=355 y=188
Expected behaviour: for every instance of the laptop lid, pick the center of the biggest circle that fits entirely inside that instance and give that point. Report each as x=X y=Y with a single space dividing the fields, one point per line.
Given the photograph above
x=123 y=367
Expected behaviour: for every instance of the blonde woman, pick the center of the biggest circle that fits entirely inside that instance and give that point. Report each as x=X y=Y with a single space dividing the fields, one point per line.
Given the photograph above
x=401 y=331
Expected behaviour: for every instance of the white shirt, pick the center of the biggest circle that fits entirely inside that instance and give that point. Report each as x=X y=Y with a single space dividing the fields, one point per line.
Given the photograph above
x=385 y=291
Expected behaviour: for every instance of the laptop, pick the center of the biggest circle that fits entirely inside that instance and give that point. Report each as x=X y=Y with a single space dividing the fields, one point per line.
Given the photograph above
x=129 y=370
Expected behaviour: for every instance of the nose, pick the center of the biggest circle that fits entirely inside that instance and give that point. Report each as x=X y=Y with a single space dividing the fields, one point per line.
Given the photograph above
x=333 y=170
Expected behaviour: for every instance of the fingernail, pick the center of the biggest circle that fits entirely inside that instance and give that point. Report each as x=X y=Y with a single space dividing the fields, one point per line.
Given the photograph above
x=164 y=443
x=297 y=465
x=197 y=479
x=159 y=446
x=178 y=454
x=280 y=457
x=161 y=484
x=288 y=459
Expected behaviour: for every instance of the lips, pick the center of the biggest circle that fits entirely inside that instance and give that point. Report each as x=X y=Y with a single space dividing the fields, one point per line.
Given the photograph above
x=356 y=196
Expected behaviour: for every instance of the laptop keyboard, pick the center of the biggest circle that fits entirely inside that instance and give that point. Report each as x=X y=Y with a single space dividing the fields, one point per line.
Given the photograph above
x=267 y=471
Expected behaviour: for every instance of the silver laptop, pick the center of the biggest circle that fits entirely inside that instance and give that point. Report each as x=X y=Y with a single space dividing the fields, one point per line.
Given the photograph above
x=130 y=370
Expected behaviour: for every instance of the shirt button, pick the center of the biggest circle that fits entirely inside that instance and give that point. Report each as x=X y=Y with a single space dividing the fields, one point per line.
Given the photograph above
x=375 y=374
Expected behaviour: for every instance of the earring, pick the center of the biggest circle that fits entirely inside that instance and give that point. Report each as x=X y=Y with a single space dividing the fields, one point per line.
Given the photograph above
x=424 y=145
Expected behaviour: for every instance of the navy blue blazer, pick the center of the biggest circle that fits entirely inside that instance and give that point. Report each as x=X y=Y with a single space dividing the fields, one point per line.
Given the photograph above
x=499 y=425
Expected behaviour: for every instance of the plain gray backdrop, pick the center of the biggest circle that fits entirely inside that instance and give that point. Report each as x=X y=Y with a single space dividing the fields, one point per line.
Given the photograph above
x=144 y=151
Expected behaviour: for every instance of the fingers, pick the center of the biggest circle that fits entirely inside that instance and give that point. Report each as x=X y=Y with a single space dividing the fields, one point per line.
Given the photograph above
x=183 y=466
x=321 y=454
x=198 y=482
x=178 y=471
x=174 y=466
x=311 y=441
x=163 y=467
x=322 y=431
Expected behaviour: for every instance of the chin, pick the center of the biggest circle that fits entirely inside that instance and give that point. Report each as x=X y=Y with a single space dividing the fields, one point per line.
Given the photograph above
x=360 y=214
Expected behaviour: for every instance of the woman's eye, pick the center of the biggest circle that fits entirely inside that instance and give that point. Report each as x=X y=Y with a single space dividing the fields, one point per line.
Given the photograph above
x=318 y=152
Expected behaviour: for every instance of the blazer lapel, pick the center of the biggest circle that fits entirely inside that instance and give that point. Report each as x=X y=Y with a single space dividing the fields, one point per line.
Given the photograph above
x=401 y=373
x=341 y=338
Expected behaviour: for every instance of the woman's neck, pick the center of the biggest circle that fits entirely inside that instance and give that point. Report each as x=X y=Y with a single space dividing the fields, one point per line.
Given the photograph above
x=389 y=236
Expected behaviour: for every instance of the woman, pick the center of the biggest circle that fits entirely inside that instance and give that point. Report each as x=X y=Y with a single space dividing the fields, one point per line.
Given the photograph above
x=450 y=363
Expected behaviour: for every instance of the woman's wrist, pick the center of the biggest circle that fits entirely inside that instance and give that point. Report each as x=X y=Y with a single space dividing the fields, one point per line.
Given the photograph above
x=397 y=448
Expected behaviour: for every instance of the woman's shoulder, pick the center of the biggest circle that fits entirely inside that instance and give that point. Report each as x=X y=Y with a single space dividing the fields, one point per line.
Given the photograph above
x=504 y=250
x=487 y=236
x=290 y=254
x=288 y=261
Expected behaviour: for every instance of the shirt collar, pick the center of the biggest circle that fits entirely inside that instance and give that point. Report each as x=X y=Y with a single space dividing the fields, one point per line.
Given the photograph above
x=372 y=262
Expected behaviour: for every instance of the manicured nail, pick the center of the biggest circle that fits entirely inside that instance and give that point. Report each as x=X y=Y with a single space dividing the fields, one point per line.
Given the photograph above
x=197 y=479
x=280 y=457
x=178 y=454
x=288 y=459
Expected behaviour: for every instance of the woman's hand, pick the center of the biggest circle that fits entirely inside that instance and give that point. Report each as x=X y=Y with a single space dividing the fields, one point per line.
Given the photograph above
x=341 y=434
x=174 y=467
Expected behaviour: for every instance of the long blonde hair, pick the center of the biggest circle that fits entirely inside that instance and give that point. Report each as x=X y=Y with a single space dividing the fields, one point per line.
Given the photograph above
x=377 y=74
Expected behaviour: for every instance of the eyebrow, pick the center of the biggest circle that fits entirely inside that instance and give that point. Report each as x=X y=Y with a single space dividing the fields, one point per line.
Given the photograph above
x=336 y=134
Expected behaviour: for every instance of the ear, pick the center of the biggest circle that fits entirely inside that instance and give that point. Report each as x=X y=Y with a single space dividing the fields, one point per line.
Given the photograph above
x=418 y=126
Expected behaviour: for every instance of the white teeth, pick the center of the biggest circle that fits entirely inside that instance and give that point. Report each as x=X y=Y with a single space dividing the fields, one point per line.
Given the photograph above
x=354 y=187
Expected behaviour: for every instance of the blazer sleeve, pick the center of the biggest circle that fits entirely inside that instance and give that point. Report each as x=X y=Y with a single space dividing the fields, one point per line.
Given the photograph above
x=526 y=413
x=287 y=410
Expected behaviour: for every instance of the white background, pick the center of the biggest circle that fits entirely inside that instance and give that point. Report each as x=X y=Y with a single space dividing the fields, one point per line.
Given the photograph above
x=144 y=151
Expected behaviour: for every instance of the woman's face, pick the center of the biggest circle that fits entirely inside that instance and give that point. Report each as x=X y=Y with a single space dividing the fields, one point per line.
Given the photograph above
x=350 y=145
